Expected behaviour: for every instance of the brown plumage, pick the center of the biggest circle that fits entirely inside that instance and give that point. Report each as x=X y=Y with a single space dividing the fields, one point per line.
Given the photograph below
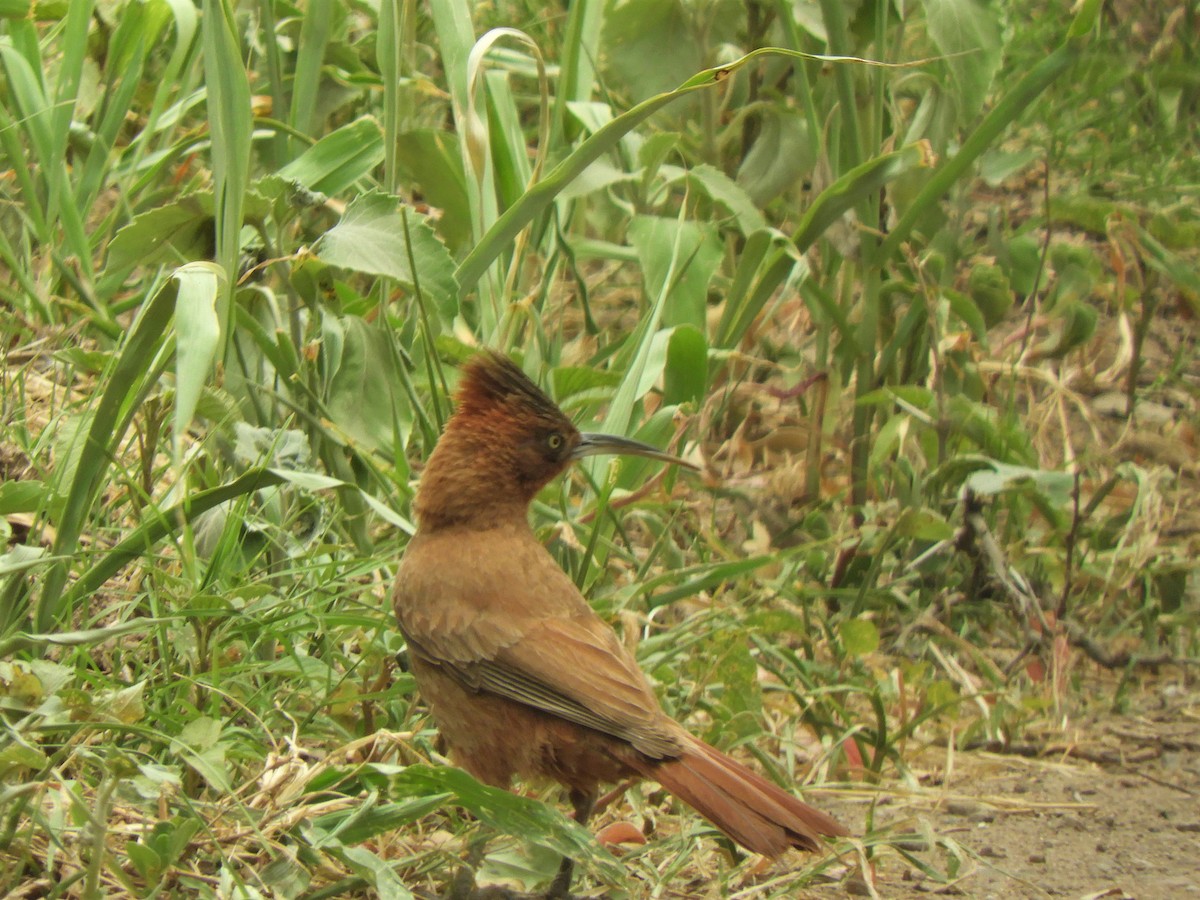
x=523 y=678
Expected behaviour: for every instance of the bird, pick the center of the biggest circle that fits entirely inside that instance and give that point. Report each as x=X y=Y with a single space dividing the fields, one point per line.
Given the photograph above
x=522 y=677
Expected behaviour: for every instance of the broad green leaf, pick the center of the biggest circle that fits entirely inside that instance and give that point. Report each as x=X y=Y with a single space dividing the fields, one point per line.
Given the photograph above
x=199 y=747
x=15 y=756
x=941 y=692
x=126 y=705
x=923 y=525
x=859 y=637
x=969 y=34
x=967 y=312
x=599 y=175
x=649 y=46
x=21 y=496
x=685 y=252
x=991 y=293
x=286 y=876
x=783 y=153
x=1057 y=486
x=685 y=378
x=371 y=238
x=146 y=860
x=364 y=822
x=178 y=232
x=1078 y=324
x=431 y=159
x=364 y=393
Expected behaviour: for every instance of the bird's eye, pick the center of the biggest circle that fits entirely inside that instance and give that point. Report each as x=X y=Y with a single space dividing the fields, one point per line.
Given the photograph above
x=555 y=441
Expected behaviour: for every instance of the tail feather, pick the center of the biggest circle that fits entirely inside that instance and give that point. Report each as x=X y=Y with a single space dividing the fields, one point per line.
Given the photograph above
x=754 y=812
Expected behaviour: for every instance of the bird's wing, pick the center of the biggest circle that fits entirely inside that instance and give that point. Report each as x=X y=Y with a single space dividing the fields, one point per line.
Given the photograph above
x=539 y=644
x=573 y=667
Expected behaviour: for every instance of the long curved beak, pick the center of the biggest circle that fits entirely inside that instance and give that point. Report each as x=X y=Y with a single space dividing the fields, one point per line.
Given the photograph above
x=593 y=444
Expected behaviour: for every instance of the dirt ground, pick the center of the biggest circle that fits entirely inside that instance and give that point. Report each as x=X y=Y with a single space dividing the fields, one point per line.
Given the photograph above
x=1113 y=813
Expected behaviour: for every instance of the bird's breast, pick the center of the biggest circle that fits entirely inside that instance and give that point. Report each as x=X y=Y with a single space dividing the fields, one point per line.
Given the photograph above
x=500 y=572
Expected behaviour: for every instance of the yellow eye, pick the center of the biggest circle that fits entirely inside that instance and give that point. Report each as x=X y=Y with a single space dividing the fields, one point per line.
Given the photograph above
x=555 y=441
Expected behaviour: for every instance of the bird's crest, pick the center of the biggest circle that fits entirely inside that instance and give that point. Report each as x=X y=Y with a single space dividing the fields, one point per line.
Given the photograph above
x=492 y=381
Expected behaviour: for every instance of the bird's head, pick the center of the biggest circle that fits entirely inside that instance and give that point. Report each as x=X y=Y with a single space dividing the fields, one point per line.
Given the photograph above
x=507 y=440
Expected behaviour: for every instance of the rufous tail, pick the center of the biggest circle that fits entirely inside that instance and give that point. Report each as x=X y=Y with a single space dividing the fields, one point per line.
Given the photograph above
x=751 y=810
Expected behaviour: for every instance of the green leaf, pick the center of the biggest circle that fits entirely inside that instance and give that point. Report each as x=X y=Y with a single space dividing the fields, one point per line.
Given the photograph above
x=783 y=153
x=968 y=32
x=1078 y=325
x=859 y=637
x=152 y=530
x=941 y=693
x=21 y=496
x=84 y=637
x=353 y=826
x=133 y=374
x=199 y=747
x=148 y=863
x=339 y=159
x=1003 y=114
x=198 y=340
x=432 y=160
x=923 y=525
x=685 y=378
x=523 y=817
x=967 y=312
x=231 y=125
x=377 y=873
x=990 y=291
x=364 y=396
x=855 y=186
x=312 y=481
x=15 y=9
x=127 y=704
x=182 y=229
x=685 y=252
x=649 y=46
x=370 y=238
x=727 y=192
x=1057 y=486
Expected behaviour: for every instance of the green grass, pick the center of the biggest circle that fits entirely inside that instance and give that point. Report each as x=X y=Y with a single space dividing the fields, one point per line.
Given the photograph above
x=245 y=247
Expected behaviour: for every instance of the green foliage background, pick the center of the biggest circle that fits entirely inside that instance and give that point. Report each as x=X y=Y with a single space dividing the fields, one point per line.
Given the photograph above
x=247 y=243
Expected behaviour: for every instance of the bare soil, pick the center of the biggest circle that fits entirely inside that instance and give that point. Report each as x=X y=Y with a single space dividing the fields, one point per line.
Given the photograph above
x=1112 y=812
